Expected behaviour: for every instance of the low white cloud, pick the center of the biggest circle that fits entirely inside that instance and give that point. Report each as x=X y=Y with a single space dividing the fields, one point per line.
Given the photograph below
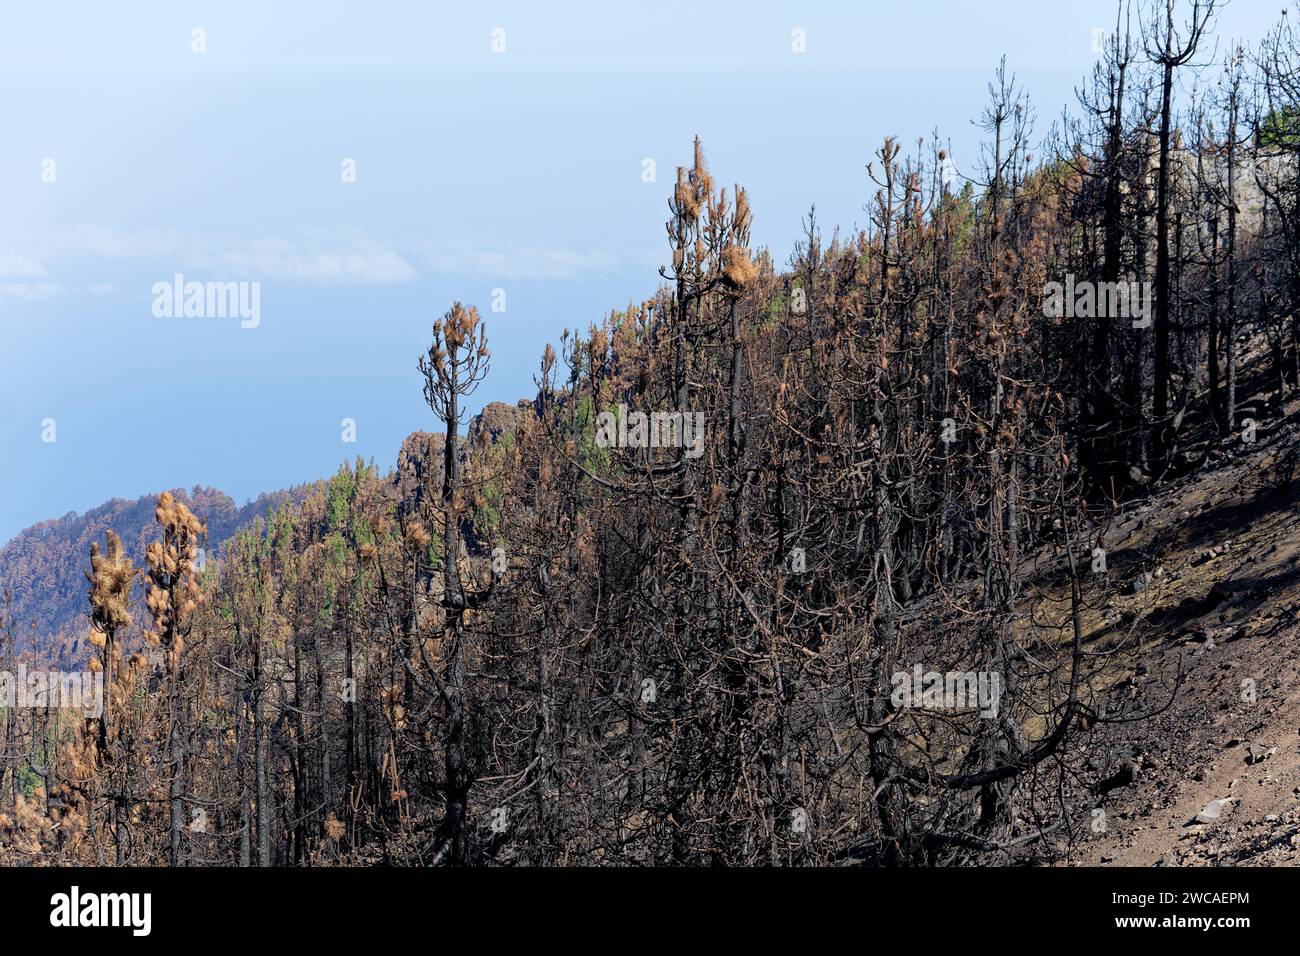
x=20 y=267
x=359 y=262
x=325 y=260
x=523 y=262
x=318 y=261
x=31 y=291
x=102 y=242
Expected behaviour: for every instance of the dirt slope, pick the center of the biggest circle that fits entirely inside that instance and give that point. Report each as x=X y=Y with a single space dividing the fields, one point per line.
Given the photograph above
x=1212 y=570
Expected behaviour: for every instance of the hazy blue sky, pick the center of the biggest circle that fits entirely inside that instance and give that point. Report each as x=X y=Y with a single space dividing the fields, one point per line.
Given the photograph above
x=476 y=170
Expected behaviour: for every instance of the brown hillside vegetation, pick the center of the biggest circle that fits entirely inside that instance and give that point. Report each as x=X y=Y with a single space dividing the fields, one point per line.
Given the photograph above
x=967 y=538
x=42 y=568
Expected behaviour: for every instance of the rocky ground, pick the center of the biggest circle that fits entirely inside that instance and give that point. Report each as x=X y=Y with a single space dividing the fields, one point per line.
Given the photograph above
x=1207 y=577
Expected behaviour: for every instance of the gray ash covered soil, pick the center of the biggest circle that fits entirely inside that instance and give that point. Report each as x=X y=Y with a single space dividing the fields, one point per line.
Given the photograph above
x=1207 y=585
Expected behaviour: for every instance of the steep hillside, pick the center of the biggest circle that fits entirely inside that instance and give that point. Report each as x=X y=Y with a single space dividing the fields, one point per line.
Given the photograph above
x=43 y=567
x=1211 y=589
x=1194 y=755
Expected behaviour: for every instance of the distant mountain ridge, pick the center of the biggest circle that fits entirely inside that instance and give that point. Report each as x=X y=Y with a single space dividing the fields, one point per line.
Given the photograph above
x=43 y=567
